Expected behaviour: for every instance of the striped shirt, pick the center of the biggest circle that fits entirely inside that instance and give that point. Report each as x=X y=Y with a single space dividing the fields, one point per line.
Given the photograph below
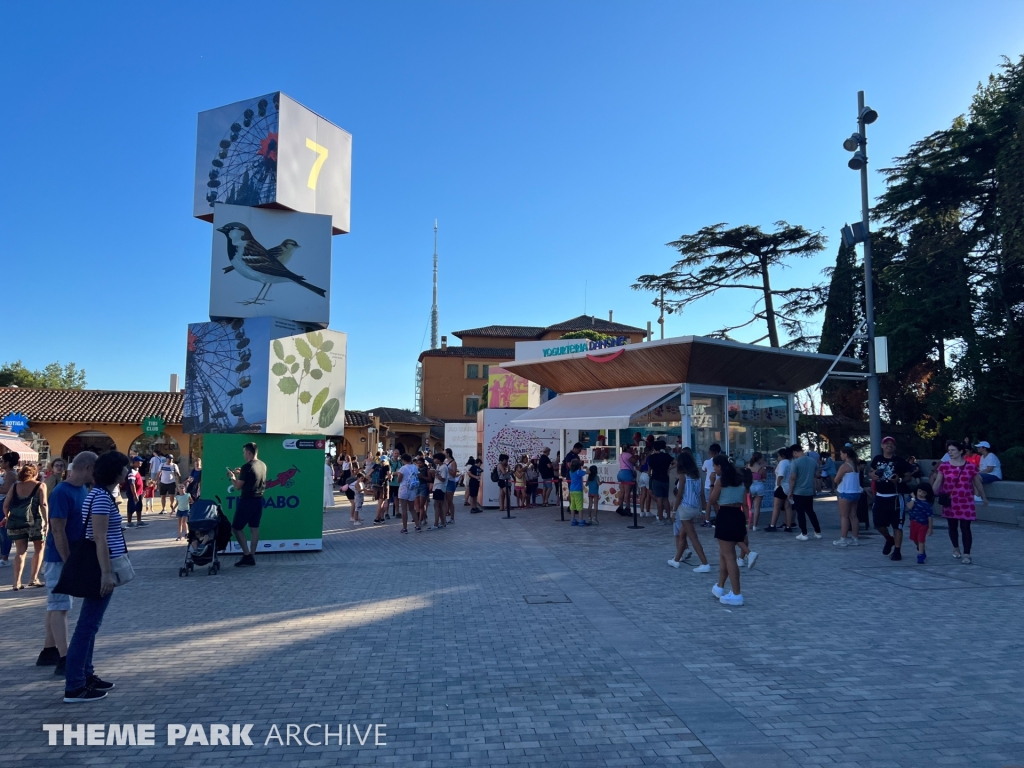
x=99 y=502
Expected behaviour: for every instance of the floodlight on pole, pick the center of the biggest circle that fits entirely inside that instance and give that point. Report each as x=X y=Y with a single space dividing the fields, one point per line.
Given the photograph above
x=858 y=144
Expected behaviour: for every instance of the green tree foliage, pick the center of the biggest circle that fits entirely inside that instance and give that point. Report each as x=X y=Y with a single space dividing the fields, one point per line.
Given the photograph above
x=715 y=258
x=844 y=312
x=951 y=283
x=591 y=335
x=53 y=376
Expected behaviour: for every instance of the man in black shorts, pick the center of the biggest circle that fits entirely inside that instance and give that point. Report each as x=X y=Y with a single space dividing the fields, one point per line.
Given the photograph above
x=890 y=473
x=251 y=481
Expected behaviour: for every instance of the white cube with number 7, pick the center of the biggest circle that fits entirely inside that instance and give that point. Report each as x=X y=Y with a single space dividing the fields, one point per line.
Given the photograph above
x=272 y=152
x=306 y=391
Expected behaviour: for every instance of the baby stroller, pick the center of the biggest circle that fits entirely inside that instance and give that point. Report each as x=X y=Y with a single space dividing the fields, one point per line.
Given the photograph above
x=208 y=533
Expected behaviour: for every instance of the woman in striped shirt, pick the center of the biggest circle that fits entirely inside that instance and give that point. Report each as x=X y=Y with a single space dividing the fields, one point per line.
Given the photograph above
x=103 y=525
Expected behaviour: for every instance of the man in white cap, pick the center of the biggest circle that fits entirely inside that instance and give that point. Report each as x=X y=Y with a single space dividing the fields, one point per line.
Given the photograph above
x=990 y=468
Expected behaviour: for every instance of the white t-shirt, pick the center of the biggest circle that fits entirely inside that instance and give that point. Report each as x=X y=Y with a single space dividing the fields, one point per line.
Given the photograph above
x=708 y=466
x=440 y=477
x=783 y=471
x=154 y=465
x=167 y=473
x=991 y=460
x=407 y=472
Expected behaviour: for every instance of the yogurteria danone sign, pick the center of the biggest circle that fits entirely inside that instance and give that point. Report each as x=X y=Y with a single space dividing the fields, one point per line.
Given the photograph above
x=531 y=350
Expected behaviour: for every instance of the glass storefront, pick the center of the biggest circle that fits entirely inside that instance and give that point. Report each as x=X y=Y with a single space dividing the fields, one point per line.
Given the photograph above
x=707 y=425
x=758 y=422
x=661 y=422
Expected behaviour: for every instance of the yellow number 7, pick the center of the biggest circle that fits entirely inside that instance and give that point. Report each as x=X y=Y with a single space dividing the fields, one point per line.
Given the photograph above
x=314 y=172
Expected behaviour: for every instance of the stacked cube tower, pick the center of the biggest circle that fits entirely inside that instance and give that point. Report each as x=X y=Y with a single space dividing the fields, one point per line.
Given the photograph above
x=274 y=178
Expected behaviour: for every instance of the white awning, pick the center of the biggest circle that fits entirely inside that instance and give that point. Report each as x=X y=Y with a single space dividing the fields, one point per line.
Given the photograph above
x=9 y=442
x=599 y=409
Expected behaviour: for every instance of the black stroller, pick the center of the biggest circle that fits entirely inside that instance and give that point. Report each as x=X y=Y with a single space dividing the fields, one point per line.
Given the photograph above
x=209 y=532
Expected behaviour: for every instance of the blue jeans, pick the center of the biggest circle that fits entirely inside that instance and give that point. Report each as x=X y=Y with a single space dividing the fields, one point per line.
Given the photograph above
x=79 y=661
x=987 y=478
x=5 y=544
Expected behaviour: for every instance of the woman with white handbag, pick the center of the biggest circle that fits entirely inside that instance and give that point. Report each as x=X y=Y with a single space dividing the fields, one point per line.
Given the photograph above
x=103 y=528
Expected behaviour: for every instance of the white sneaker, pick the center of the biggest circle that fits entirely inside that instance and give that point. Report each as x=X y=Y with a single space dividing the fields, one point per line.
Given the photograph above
x=731 y=599
x=674 y=563
x=801 y=537
x=817 y=535
x=753 y=528
x=687 y=553
x=5 y=563
x=751 y=559
x=741 y=562
x=706 y=568
x=840 y=543
x=716 y=591
x=855 y=542
x=978 y=499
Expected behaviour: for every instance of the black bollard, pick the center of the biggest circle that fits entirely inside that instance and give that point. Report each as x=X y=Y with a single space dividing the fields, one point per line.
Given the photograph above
x=636 y=525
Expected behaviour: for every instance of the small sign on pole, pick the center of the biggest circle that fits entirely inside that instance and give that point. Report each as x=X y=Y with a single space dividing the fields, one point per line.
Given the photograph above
x=881 y=354
x=153 y=426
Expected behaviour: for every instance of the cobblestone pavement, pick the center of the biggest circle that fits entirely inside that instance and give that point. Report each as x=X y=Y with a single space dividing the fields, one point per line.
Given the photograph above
x=531 y=642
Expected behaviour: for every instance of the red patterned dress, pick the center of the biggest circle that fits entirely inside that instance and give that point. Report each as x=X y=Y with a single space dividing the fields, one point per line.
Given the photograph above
x=958 y=482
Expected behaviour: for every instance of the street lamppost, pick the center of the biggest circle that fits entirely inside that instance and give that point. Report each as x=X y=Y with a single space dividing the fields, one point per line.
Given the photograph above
x=858 y=144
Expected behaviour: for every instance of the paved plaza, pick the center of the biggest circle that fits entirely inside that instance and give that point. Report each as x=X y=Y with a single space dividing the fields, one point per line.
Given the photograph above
x=531 y=642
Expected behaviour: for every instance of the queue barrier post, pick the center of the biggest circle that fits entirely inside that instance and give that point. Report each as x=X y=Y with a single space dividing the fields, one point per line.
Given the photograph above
x=636 y=524
x=508 y=504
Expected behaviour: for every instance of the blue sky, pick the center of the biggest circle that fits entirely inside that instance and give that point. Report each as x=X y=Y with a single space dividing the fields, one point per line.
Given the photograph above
x=559 y=144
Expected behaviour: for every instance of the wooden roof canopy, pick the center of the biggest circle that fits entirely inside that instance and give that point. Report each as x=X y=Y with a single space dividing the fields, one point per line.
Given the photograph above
x=681 y=360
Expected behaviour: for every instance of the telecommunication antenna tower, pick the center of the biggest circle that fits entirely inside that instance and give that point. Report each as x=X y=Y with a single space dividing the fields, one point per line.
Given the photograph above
x=433 y=307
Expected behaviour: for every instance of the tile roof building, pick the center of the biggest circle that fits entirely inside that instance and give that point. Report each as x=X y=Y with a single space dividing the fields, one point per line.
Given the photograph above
x=454 y=377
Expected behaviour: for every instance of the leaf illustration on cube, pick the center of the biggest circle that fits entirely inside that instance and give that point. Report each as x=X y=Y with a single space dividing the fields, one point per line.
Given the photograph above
x=309 y=395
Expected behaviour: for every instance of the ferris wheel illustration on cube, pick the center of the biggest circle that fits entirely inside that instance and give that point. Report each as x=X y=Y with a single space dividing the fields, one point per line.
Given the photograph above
x=217 y=364
x=244 y=170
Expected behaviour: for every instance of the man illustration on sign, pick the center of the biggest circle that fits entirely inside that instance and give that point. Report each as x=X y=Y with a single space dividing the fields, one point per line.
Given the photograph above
x=250 y=480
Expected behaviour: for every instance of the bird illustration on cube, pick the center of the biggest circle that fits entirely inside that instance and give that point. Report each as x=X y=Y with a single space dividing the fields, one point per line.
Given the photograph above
x=261 y=265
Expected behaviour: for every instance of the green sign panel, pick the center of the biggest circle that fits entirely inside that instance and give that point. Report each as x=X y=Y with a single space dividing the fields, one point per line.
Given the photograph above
x=153 y=426
x=293 y=504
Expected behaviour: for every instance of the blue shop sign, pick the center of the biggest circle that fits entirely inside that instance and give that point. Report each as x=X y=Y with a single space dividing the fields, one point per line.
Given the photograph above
x=16 y=422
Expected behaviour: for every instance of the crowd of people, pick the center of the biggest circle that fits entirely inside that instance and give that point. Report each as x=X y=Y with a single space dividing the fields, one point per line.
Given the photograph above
x=55 y=509
x=895 y=493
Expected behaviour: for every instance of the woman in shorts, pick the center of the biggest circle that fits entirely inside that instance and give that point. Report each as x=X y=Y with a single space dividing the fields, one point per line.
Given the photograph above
x=849 y=491
x=626 y=476
x=423 y=489
x=758 y=473
x=25 y=519
x=730 y=495
x=781 y=495
x=643 y=488
x=688 y=511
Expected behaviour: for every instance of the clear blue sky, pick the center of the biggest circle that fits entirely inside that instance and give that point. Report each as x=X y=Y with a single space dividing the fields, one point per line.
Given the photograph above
x=557 y=143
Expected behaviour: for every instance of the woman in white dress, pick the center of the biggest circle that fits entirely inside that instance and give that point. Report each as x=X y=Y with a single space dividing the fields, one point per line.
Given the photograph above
x=328 y=483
